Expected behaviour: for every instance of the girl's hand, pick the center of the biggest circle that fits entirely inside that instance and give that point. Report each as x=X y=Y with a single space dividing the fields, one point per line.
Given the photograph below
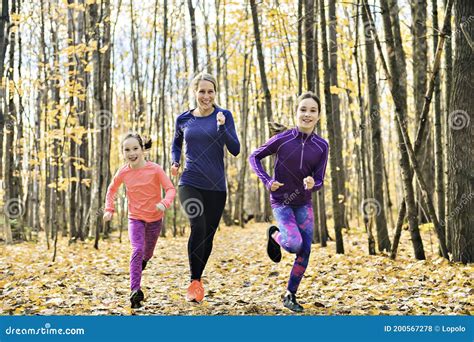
x=174 y=170
x=276 y=185
x=308 y=183
x=160 y=207
x=107 y=216
x=220 y=119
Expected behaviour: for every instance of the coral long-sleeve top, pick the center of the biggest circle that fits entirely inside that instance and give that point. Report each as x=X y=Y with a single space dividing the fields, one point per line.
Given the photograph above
x=143 y=187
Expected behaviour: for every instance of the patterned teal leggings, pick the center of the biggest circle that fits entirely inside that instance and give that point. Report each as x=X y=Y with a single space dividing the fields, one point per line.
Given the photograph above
x=295 y=236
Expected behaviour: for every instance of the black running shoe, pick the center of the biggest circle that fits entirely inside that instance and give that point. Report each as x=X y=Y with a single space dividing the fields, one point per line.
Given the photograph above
x=273 y=248
x=144 y=262
x=135 y=298
x=289 y=301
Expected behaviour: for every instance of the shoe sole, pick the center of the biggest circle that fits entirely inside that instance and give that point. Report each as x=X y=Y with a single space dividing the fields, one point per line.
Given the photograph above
x=273 y=248
x=293 y=310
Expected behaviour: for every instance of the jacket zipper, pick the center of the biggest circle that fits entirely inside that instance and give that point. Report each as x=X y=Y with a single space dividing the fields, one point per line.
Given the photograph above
x=302 y=150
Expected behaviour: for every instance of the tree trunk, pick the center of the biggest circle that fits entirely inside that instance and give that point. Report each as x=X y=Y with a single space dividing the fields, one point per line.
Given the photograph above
x=460 y=153
x=336 y=145
x=72 y=74
x=193 y=36
x=338 y=207
x=448 y=65
x=103 y=107
x=266 y=89
x=438 y=147
x=239 y=211
x=320 y=196
x=420 y=67
x=309 y=44
x=300 y=46
x=4 y=31
x=383 y=240
x=261 y=61
x=365 y=182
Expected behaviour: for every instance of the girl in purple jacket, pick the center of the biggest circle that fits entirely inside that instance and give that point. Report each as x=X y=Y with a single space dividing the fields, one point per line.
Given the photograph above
x=300 y=165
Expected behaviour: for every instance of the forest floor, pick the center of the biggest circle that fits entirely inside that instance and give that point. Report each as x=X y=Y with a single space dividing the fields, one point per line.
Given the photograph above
x=239 y=279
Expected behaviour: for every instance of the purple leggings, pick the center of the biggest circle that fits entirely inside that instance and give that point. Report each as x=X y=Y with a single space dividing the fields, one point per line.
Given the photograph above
x=143 y=236
x=295 y=236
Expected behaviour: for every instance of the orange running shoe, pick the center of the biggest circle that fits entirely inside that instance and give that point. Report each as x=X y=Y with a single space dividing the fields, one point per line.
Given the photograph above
x=195 y=292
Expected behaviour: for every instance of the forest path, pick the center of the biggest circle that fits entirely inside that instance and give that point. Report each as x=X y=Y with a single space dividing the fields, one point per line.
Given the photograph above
x=239 y=279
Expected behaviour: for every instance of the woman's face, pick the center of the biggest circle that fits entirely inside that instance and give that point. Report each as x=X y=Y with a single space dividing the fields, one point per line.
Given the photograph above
x=307 y=114
x=205 y=95
x=132 y=152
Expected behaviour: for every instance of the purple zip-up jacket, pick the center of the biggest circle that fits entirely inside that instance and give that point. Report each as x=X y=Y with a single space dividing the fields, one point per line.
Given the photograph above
x=298 y=156
x=204 y=152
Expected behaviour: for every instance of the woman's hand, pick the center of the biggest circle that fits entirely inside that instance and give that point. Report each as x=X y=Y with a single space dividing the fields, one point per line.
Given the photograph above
x=276 y=185
x=174 y=169
x=220 y=119
x=308 y=183
x=160 y=207
x=107 y=216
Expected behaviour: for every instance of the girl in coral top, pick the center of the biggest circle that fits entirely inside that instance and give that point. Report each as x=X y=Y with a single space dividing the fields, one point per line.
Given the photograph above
x=143 y=181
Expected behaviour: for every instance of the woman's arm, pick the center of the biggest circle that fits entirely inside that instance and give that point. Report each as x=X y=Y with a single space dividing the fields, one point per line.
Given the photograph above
x=269 y=148
x=227 y=131
x=177 y=144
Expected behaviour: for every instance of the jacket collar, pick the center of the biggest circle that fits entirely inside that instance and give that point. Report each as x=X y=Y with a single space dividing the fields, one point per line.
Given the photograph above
x=296 y=132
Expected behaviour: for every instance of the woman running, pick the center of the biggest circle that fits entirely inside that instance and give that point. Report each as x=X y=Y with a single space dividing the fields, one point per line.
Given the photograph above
x=205 y=130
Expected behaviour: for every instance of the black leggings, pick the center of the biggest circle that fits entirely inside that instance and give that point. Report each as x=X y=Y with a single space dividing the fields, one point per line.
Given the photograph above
x=204 y=209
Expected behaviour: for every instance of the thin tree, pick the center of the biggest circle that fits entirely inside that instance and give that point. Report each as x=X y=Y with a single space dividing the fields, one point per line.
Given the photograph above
x=336 y=144
x=263 y=78
x=420 y=67
x=438 y=145
x=193 y=36
x=383 y=240
x=338 y=211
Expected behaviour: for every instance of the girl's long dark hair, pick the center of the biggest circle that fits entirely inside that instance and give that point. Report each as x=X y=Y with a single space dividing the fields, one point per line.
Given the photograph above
x=276 y=127
x=144 y=142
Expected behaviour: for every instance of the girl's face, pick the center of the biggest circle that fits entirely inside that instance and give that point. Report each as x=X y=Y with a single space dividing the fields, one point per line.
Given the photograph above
x=132 y=152
x=307 y=115
x=205 y=95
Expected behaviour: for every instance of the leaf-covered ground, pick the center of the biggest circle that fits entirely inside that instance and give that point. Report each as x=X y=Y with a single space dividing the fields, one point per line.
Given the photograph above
x=239 y=279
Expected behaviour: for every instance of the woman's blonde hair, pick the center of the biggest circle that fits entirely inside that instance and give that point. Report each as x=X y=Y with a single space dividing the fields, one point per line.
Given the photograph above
x=203 y=76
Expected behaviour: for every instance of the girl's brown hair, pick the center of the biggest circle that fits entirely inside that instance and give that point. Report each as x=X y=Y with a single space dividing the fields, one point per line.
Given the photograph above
x=276 y=127
x=144 y=142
